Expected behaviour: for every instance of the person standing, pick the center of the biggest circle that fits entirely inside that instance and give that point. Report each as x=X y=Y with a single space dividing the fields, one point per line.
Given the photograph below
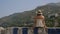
x=39 y=23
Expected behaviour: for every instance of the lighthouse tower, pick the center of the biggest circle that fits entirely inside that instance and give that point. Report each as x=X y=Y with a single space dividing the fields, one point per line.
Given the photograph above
x=39 y=22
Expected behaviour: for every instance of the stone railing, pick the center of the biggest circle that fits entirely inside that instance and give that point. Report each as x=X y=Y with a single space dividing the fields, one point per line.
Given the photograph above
x=29 y=30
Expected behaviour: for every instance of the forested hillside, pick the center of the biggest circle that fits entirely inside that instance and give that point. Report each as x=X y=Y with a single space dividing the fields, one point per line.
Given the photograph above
x=26 y=18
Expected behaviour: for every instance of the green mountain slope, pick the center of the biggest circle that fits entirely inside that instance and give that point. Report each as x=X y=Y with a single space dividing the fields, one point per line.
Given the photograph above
x=26 y=18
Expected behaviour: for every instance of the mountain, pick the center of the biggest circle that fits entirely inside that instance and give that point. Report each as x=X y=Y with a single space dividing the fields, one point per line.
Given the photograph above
x=58 y=4
x=26 y=18
x=54 y=4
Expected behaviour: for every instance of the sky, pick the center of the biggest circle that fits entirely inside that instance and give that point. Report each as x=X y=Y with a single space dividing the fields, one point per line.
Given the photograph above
x=8 y=7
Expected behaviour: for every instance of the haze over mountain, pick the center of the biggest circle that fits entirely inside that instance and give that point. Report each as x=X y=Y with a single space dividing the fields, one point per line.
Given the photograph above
x=8 y=7
x=26 y=18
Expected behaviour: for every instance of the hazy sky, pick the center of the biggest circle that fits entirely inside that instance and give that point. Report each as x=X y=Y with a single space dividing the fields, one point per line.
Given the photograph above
x=8 y=7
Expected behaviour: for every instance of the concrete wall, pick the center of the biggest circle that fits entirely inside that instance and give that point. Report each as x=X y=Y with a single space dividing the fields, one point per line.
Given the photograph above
x=27 y=30
x=2 y=30
x=9 y=30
